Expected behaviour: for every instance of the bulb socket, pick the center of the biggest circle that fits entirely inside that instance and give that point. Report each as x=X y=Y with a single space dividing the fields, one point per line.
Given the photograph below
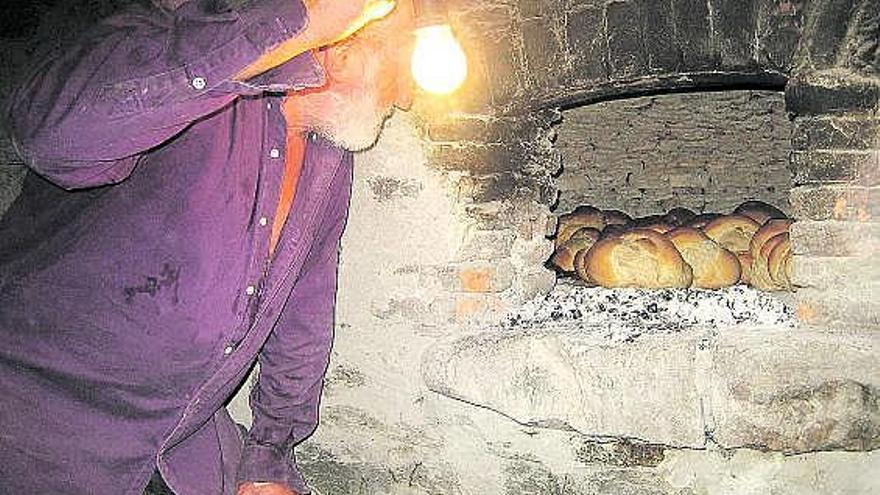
x=430 y=12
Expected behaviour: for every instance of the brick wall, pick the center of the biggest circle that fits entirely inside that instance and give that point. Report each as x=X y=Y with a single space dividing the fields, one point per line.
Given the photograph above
x=706 y=151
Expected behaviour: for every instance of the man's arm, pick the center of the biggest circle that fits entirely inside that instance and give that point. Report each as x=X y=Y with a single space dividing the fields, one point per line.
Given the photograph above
x=85 y=114
x=295 y=357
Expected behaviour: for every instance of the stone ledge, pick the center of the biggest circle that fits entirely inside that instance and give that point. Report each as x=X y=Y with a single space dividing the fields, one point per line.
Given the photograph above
x=739 y=387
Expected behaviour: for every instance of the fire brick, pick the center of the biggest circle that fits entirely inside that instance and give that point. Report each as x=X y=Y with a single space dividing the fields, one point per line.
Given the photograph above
x=832 y=238
x=845 y=97
x=692 y=30
x=835 y=133
x=626 y=51
x=862 y=168
x=848 y=203
x=734 y=23
x=659 y=35
x=588 y=44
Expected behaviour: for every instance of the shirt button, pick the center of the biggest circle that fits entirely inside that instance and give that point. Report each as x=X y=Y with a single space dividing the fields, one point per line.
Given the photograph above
x=268 y=106
x=249 y=290
x=199 y=83
x=313 y=136
x=274 y=153
x=228 y=350
x=263 y=221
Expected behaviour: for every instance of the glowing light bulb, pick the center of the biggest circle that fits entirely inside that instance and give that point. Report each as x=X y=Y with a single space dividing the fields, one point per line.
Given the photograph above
x=439 y=64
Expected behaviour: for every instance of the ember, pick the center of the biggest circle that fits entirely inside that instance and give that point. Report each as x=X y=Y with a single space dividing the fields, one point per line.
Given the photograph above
x=625 y=314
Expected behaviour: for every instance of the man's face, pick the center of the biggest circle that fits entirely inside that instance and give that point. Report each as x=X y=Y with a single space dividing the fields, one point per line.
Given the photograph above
x=367 y=76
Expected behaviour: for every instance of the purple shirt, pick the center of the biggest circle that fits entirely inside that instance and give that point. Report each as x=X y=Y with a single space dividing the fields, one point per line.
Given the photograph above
x=135 y=286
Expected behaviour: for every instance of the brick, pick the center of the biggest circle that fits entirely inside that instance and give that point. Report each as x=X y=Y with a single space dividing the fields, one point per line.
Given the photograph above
x=693 y=34
x=826 y=32
x=835 y=133
x=477 y=159
x=844 y=97
x=658 y=26
x=838 y=273
x=847 y=203
x=587 y=44
x=626 y=49
x=734 y=22
x=486 y=245
x=544 y=53
x=476 y=307
x=503 y=67
x=507 y=186
x=832 y=238
x=529 y=8
x=823 y=167
x=844 y=308
x=779 y=33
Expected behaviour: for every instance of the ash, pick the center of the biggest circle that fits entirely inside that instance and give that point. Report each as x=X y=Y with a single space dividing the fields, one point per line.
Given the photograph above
x=625 y=314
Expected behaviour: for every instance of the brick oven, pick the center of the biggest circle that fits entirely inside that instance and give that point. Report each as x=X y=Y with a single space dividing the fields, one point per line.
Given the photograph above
x=463 y=364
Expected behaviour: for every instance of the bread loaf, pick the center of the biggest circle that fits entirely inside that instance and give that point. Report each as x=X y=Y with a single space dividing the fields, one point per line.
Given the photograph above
x=713 y=266
x=582 y=216
x=779 y=263
x=679 y=216
x=760 y=273
x=616 y=217
x=759 y=211
x=580 y=265
x=565 y=254
x=745 y=264
x=701 y=220
x=637 y=258
x=659 y=227
x=613 y=230
x=732 y=232
x=761 y=278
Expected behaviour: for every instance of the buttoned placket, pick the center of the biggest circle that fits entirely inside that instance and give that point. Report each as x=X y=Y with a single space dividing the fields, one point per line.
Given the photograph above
x=272 y=165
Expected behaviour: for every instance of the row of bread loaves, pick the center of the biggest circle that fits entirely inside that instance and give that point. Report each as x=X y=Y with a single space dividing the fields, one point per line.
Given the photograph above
x=678 y=249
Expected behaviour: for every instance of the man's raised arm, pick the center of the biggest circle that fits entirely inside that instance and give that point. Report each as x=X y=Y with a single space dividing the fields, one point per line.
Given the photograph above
x=85 y=114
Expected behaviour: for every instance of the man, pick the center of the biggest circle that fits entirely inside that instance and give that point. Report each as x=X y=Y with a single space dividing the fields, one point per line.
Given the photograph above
x=183 y=222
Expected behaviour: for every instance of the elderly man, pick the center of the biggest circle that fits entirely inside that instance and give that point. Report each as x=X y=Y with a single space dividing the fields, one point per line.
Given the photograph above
x=192 y=184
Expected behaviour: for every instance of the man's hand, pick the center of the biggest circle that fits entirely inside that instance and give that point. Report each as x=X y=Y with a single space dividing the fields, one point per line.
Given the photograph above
x=251 y=488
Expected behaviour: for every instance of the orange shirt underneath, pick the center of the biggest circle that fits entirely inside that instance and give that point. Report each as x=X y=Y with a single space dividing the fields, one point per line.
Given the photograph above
x=293 y=162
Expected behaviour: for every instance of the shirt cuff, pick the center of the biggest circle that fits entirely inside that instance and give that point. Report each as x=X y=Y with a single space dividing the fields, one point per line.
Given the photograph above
x=265 y=463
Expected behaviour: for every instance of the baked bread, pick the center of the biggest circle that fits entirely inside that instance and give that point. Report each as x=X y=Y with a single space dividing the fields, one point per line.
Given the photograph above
x=713 y=266
x=614 y=229
x=637 y=258
x=616 y=217
x=679 y=216
x=761 y=278
x=760 y=274
x=759 y=211
x=661 y=227
x=582 y=239
x=582 y=216
x=745 y=264
x=701 y=220
x=779 y=263
x=580 y=266
x=732 y=232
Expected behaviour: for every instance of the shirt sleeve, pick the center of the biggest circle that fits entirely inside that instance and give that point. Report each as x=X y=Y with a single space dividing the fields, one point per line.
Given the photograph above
x=84 y=114
x=294 y=360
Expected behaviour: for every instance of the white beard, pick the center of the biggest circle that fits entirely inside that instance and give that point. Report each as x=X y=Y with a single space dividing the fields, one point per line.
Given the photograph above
x=353 y=124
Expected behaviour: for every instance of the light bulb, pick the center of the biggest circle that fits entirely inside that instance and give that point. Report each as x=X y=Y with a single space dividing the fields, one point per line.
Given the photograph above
x=439 y=64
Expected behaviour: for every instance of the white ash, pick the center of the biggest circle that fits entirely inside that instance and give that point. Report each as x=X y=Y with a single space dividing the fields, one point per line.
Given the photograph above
x=624 y=314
